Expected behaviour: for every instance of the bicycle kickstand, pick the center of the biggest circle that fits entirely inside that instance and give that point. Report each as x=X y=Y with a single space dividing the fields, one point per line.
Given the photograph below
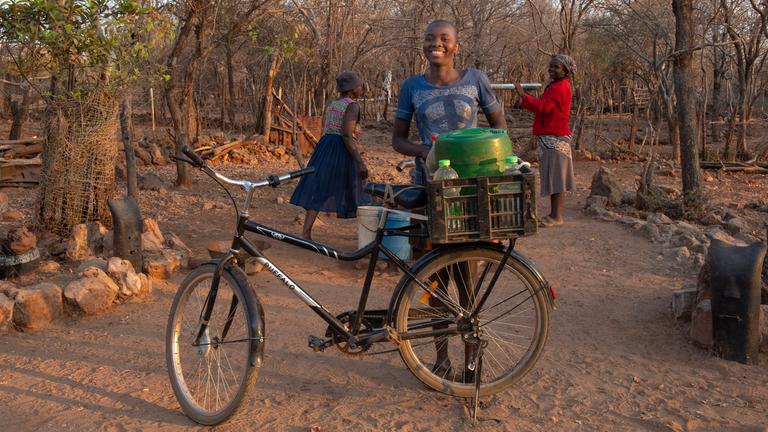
x=477 y=368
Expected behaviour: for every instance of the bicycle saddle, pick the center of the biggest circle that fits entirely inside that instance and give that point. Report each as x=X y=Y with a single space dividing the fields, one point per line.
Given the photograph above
x=408 y=196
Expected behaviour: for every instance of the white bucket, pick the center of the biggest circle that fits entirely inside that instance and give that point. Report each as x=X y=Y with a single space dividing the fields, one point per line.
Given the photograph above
x=368 y=222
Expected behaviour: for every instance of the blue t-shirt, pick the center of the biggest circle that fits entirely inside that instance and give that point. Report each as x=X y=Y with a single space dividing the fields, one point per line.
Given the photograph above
x=440 y=109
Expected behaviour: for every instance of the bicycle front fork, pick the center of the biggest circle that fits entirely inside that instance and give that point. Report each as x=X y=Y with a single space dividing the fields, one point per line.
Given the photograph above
x=210 y=300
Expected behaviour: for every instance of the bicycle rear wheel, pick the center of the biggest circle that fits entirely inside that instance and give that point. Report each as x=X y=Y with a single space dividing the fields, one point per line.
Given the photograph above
x=513 y=324
x=211 y=379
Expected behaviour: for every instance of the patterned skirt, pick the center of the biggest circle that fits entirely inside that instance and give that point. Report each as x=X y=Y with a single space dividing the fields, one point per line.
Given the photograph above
x=555 y=164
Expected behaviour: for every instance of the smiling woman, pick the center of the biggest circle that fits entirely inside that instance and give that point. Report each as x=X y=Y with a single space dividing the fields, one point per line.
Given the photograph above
x=442 y=99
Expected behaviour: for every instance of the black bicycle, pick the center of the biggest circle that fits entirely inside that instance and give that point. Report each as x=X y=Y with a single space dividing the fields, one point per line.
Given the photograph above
x=469 y=320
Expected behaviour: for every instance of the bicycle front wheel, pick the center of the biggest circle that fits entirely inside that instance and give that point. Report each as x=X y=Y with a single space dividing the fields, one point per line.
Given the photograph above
x=512 y=325
x=212 y=375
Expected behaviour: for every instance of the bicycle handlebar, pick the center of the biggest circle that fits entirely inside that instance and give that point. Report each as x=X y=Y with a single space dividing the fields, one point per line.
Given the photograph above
x=273 y=180
x=193 y=156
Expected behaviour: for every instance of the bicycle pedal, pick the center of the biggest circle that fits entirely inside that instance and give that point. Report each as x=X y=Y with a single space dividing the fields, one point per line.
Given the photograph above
x=392 y=335
x=317 y=344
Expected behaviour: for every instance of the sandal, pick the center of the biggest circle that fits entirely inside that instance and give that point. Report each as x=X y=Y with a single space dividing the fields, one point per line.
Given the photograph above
x=548 y=222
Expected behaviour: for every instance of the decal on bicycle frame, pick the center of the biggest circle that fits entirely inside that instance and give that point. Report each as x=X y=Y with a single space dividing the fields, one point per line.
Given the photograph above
x=279 y=236
x=282 y=277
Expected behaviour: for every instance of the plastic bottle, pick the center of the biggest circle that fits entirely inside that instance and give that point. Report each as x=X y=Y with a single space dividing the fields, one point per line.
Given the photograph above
x=452 y=209
x=511 y=205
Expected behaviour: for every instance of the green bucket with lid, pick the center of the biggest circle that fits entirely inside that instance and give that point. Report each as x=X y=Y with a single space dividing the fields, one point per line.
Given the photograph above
x=474 y=152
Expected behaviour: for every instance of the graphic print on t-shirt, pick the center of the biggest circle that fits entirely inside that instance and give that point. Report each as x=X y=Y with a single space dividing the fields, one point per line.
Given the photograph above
x=447 y=109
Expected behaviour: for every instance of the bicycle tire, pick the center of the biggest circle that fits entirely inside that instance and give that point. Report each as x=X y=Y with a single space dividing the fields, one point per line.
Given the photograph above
x=241 y=348
x=504 y=362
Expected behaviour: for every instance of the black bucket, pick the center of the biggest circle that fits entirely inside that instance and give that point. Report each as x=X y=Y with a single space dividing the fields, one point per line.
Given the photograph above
x=735 y=280
x=15 y=265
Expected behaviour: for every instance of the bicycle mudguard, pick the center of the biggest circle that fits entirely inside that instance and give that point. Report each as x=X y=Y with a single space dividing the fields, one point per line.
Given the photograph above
x=525 y=261
x=254 y=308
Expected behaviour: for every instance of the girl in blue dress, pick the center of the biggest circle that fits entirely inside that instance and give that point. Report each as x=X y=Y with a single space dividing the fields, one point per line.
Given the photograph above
x=337 y=184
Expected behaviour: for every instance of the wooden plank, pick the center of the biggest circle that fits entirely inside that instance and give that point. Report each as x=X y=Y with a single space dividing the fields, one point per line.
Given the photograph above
x=20 y=170
x=21 y=141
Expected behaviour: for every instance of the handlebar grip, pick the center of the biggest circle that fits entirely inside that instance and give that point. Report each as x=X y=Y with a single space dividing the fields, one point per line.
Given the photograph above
x=301 y=172
x=193 y=156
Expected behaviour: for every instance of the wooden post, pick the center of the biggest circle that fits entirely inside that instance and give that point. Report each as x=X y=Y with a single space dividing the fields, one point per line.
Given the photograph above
x=152 y=108
x=130 y=155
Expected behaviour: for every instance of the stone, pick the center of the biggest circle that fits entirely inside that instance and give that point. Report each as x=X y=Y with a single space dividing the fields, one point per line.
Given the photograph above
x=729 y=213
x=53 y=296
x=685 y=226
x=605 y=185
x=35 y=308
x=678 y=253
x=711 y=218
x=280 y=200
x=146 y=285
x=609 y=216
x=163 y=264
x=628 y=198
x=684 y=239
x=596 y=200
x=715 y=232
x=151 y=181
x=143 y=156
x=629 y=220
x=48 y=266
x=683 y=301
x=12 y=215
x=701 y=324
x=251 y=266
x=736 y=225
x=208 y=205
x=651 y=232
x=151 y=236
x=6 y=313
x=51 y=244
x=174 y=242
x=98 y=263
x=3 y=202
x=659 y=219
x=21 y=240
x=86 y=241
x=122 y=272
x=93 y=293
x=197 y=261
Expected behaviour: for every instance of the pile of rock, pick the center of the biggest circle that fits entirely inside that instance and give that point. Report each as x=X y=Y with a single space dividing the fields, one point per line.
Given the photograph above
x=101 y=280
x=685 y=242
x=680 y=240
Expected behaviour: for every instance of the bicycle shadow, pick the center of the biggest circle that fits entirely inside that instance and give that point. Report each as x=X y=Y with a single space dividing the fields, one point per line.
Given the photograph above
x=132 y=406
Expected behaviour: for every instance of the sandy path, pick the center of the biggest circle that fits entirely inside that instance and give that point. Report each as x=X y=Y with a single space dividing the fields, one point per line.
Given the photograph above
x=615 y=359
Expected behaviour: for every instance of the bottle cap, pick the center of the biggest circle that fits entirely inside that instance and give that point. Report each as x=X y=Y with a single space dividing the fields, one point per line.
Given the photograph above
x=443 y=163
x=511 y=159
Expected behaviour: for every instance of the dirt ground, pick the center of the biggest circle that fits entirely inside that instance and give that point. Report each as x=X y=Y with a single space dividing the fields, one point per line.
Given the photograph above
x=616 y=360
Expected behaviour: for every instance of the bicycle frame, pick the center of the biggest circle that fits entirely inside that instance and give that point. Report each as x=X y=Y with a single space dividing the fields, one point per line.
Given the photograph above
x=373 y=248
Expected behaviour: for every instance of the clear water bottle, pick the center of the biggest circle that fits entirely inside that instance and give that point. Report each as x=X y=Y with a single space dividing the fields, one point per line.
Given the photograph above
x=452 y=209
x=510 y=207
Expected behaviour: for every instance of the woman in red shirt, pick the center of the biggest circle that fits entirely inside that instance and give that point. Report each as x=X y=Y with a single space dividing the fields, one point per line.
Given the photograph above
x=550 y=126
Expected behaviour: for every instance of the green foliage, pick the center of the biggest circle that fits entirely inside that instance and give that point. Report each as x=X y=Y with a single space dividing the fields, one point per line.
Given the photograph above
x=99 y=38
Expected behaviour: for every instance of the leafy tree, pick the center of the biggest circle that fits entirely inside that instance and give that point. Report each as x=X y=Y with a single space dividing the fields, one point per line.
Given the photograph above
x=90 y=49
